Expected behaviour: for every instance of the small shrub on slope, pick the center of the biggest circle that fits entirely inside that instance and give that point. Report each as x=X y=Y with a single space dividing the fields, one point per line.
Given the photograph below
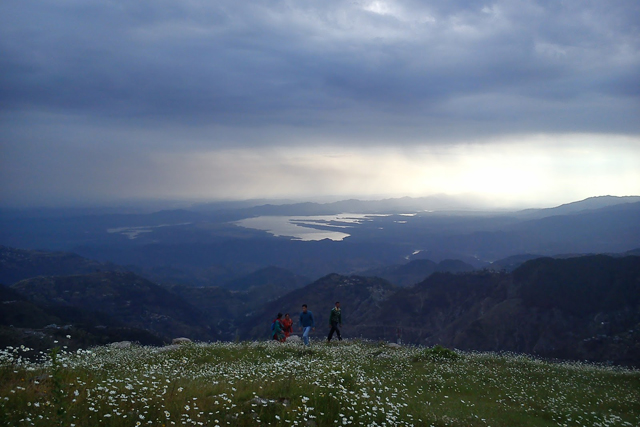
x=435 y=354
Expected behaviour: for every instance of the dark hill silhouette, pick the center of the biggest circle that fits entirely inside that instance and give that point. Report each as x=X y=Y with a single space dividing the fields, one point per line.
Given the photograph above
x=221 y=308
x=404 y=275
x=570 y=307
x=584 y=308
x=39 y=326
x=269 y=279
x=454 y=266
x=19 y=264
x=225 y=306
x=17 y=311
x=575 y=308
x=417 y=270
x=512 y=262
x=429 y=311
x=580 y=286
x=362 y=296
x=130 y=299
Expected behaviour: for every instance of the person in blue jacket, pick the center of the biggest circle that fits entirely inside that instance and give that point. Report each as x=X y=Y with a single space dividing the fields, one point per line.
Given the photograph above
x=306 y=323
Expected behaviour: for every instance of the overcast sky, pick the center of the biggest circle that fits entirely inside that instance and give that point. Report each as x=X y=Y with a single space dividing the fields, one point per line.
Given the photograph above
x=523 y=102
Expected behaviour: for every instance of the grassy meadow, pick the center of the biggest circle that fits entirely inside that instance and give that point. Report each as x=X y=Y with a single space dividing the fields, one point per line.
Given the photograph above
x=349 y=383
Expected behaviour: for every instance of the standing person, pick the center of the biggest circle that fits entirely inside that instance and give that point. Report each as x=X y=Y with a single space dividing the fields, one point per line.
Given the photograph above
x=307 y=323
x=335 y=320
x=287 y=325
x=276 y=329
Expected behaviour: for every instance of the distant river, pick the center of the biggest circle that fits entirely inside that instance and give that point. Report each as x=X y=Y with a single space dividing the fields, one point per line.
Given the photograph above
x=301 y=227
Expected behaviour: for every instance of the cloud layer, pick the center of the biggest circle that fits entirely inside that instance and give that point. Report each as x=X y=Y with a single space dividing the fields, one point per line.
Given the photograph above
x=107 y=81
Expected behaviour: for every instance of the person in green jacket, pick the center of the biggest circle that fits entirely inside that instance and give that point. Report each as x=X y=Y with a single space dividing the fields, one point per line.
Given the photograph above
x=335 y=320
x=277 y=331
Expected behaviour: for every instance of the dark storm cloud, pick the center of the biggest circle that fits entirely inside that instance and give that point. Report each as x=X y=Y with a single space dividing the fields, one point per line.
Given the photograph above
x=541 y=66
x=107 y=99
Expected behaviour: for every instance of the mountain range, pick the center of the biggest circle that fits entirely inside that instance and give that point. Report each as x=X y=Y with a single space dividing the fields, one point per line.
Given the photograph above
x=203 y=247
x=584 y=307
x=528 y=281
x=574 y=308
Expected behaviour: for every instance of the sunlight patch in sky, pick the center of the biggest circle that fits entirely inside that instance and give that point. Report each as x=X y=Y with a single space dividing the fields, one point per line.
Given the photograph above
x=546 y=167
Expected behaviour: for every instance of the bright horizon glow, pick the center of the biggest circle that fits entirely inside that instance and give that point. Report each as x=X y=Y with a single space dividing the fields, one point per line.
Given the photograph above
x=542 y=170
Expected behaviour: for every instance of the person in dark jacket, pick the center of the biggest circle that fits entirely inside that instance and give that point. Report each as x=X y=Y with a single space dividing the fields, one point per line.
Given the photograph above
x=335 y=320
x=307 y=323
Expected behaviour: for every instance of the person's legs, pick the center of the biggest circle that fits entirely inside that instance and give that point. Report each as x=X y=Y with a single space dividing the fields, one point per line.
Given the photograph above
x=338 y=333
x=333 y=329
x=305 y=335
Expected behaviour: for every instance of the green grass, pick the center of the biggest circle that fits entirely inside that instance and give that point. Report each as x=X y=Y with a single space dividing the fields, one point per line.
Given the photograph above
x=351 y=383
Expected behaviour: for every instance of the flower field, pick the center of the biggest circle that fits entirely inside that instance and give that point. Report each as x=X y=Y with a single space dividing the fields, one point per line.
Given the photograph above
x=349 y=383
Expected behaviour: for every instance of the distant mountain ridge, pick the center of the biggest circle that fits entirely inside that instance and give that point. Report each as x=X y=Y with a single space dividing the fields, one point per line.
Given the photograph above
x=417 y=270
x=589 y=203
x=392 y=205
x=209 y=248
x=428 y=203
x=614 y=228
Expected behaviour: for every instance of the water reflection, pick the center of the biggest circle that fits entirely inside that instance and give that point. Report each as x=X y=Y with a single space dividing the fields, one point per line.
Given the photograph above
x=306 y=227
